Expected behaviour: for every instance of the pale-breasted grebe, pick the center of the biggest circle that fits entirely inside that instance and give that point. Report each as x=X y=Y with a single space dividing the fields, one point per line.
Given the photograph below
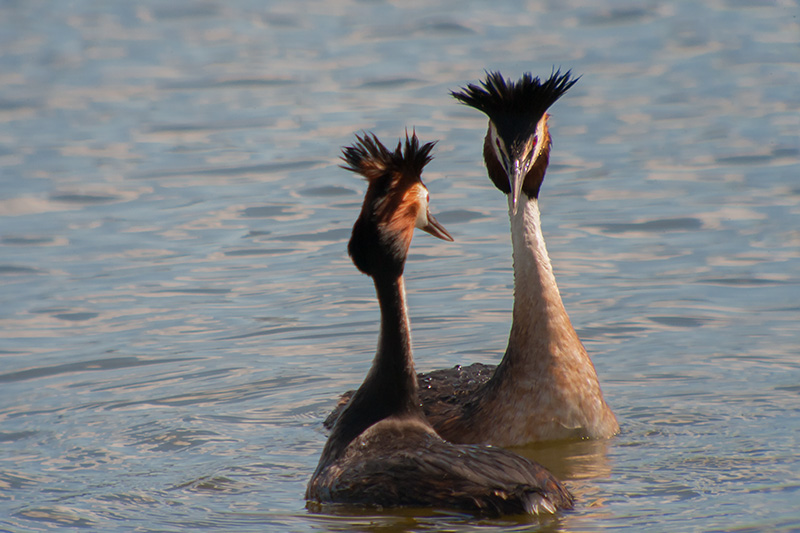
x=382 y=451
x=546 y=387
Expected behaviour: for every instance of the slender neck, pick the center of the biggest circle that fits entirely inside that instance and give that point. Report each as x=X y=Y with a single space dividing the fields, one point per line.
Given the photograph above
x=391 y=380
x=390 y=388
x=541 y=330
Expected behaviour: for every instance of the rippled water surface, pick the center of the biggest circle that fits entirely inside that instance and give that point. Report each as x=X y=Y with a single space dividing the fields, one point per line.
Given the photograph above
x=178 y=312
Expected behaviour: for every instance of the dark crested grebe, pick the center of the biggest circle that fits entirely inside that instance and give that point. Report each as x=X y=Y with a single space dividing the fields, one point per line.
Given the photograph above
x=546 y=387
x=382 y=451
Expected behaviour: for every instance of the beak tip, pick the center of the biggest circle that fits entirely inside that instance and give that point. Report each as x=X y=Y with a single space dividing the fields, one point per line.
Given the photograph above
x=436 y=229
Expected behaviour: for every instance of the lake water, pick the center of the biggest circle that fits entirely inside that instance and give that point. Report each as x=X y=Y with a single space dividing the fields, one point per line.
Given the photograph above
x=178 y=313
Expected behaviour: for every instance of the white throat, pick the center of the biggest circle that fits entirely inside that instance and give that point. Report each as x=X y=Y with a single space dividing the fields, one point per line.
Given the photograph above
x=541 y=329
x=531 y=261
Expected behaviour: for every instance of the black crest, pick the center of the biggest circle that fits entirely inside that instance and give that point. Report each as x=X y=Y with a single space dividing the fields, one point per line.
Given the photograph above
x=375 y=247
x=516 y=107
x=370 y=158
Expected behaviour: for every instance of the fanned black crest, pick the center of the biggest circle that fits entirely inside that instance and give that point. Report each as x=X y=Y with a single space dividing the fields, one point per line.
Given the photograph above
x=374 y=247
x=370 y=158
x=528 y=96
x=516 y=107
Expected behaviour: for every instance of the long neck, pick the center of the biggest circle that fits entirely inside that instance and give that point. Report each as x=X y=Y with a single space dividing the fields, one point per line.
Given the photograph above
x=541 y=330
x=390 y=388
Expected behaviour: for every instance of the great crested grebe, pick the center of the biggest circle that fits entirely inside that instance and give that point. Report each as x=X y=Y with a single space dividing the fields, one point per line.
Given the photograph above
x=546 y=387
x=382 y=451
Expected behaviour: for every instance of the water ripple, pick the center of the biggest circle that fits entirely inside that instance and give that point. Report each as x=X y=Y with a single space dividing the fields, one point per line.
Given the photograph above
x=82 y=366
x=179 y=312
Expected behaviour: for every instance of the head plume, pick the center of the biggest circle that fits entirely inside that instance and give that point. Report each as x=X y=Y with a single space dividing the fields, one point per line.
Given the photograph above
x=517 y=144
x=382 y=233
x=370 y=158
x=509 y=103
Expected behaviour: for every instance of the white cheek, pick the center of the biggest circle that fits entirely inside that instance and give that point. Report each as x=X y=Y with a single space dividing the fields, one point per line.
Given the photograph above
x=497 y=145
x=422 y=214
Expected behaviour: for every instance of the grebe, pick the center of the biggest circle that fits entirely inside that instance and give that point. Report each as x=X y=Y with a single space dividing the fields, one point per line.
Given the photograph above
x=546 y=387
x=382 y=451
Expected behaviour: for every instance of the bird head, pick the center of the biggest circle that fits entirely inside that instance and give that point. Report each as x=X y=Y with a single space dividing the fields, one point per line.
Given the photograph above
x=395 y=203
x=517 y=145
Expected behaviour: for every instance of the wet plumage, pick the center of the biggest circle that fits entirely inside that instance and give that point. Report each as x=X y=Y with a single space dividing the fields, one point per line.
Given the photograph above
x=382 y=451
x=403 y=463
x=546 y=387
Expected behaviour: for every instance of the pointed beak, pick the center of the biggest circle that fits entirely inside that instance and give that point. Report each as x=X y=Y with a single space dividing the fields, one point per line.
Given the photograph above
x=516 y=176
x=437 y=230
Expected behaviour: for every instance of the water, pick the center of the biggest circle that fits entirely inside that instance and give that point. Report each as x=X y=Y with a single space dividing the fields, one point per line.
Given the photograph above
x=178 y=313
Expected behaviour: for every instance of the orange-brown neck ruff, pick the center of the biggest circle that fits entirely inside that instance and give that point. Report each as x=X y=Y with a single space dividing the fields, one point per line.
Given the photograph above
x=534 y=178
x=402 y=217
x=379 y=246
x=515 y=111
x=382 y=451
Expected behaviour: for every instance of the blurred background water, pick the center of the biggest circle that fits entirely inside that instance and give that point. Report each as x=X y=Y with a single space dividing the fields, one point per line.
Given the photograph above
x=178 y=312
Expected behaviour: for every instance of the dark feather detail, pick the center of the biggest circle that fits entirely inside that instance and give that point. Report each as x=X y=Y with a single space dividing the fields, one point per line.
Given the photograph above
x=377 y=251
x=494 y=168
x=440 y=391
x=370 y=158
x=525 y=100
x=403 y=463
x=375 y=246
x=382 y=451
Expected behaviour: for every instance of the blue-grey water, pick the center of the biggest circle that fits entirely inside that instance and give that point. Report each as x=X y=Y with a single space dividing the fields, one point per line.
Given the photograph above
x=178 y=312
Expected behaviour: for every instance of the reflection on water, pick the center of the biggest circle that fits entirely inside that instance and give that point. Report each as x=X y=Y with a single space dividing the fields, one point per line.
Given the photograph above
x=581 y=460
x=179 y=313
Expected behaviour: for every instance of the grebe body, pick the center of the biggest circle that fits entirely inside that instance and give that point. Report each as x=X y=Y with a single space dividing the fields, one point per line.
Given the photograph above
x=545 y=387
x=382 y=451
